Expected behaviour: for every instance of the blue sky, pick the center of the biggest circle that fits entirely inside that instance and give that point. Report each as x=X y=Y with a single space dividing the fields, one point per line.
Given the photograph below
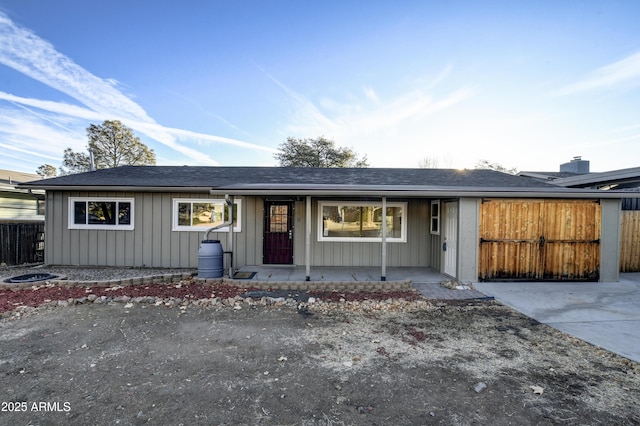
x=527 y=84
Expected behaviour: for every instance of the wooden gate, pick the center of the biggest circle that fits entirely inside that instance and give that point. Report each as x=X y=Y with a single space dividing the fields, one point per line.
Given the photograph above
x=539 y=240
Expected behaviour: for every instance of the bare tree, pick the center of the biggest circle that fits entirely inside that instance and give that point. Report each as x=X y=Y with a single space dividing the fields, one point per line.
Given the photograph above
x=428 y=162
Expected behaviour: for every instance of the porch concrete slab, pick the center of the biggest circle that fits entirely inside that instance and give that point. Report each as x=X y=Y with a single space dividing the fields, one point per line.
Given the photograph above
x=355 y=274
x=435 y=291
x=605 y=314
x=425 y=280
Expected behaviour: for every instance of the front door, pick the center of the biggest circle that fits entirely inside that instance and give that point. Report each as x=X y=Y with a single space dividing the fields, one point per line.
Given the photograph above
x=451 y=239
x=278 y=232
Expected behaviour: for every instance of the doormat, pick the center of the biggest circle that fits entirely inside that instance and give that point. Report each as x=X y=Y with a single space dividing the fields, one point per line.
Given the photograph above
x=244 y=275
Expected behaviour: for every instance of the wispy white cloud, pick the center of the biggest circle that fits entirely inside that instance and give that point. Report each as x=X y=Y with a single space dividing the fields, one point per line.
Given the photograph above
x=34 y=57
x=617 y=74
x=304 y=108
x=371 y=122
x=29 y=54
x=440 y=77
x=371 y=94
x=53 y=106
x=363 y=117
x=165 y=135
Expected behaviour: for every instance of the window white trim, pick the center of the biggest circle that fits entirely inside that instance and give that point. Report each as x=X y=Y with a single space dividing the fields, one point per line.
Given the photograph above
x=434 y=217
x=99 y=226
x=176 y=214
x=403 y=222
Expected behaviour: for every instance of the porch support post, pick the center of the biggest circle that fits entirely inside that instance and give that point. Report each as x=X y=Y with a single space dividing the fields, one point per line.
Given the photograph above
x=307 y=239
x=383 y=276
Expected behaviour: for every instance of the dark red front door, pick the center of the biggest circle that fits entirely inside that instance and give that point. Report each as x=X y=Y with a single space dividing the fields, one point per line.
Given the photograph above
x=278 y=232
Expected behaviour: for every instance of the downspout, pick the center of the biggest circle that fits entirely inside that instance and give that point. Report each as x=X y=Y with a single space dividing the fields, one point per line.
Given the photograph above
x=229 y=222
x=230 y=200
x=307 y=239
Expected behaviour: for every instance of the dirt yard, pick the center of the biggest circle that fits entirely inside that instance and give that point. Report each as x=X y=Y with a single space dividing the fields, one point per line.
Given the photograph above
x=450 y=364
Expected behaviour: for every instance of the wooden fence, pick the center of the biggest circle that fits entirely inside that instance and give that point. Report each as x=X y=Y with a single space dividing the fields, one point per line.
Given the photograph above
x=630 y=241
x=21 y=243
x=539 y=239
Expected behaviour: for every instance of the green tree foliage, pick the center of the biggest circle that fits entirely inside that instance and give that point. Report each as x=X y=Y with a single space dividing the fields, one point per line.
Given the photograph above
x=47 y=171
x=318 y=152
x=113 y=144
x=488 y=165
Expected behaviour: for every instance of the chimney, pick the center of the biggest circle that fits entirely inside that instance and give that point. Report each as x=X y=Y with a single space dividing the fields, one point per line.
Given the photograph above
x=577 y=165
x=92 y=161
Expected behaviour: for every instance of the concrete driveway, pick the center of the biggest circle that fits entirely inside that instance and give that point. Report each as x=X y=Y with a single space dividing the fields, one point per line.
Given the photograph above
x=604 y=314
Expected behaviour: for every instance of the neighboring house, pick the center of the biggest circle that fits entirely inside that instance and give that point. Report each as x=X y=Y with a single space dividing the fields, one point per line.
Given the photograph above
x=468 y=224
x=576 y=174
x=21 y=219
x=19 y=205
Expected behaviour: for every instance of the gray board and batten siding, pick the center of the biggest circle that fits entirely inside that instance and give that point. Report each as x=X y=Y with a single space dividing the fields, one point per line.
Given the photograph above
x=153 y=243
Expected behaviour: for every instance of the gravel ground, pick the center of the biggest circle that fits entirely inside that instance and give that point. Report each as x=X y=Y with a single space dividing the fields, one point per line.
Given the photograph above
x=95 y=273
x=142 y=363
x=210 y=358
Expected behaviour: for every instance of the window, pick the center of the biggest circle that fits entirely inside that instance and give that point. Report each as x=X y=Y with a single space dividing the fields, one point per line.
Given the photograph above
x=435 y=217
x=40 y=207
x=101 y=213
x=203 y=214
x=353 y=221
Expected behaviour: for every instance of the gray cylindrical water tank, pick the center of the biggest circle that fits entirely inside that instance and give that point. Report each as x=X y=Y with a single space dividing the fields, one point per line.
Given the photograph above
x=210 y=259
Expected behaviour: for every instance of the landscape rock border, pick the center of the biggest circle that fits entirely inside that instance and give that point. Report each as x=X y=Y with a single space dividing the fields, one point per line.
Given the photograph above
x=380 y=296
x=401 y=285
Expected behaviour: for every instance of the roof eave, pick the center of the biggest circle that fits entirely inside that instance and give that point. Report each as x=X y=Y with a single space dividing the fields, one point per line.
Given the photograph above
x=355 y=190
x=441 y=192
x=118 y=188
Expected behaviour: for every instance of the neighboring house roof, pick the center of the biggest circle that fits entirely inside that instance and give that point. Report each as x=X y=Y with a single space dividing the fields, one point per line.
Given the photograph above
x=548 y=176
x=10 y=178
x=615 y=179
x=623 y=179
x=310 y=181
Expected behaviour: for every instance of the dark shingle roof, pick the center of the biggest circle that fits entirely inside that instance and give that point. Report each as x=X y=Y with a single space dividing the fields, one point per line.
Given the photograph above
x=229 y=177
x=290 y=181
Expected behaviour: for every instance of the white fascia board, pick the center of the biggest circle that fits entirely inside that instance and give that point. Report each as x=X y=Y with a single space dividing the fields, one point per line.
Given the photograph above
x=432 y=192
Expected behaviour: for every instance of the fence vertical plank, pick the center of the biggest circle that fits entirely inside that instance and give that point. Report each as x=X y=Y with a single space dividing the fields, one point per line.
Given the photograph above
x=630 y=241
x=21 y=242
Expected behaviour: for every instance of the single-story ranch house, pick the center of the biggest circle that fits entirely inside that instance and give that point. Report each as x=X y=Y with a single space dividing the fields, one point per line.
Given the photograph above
x=469 y=224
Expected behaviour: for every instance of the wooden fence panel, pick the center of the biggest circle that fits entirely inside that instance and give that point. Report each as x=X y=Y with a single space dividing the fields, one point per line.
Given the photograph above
x=539 y=239
x=21 y=243
x=572 y=239
x=630 y=241
x=509 y=235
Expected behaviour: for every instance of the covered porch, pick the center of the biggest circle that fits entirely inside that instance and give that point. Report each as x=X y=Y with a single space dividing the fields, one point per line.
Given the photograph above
x=424 y=280
x=337 y=274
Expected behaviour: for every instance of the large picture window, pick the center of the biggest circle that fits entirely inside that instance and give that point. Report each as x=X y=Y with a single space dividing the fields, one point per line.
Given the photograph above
x=353 y=221
x=101 y=213
x=202 y=214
